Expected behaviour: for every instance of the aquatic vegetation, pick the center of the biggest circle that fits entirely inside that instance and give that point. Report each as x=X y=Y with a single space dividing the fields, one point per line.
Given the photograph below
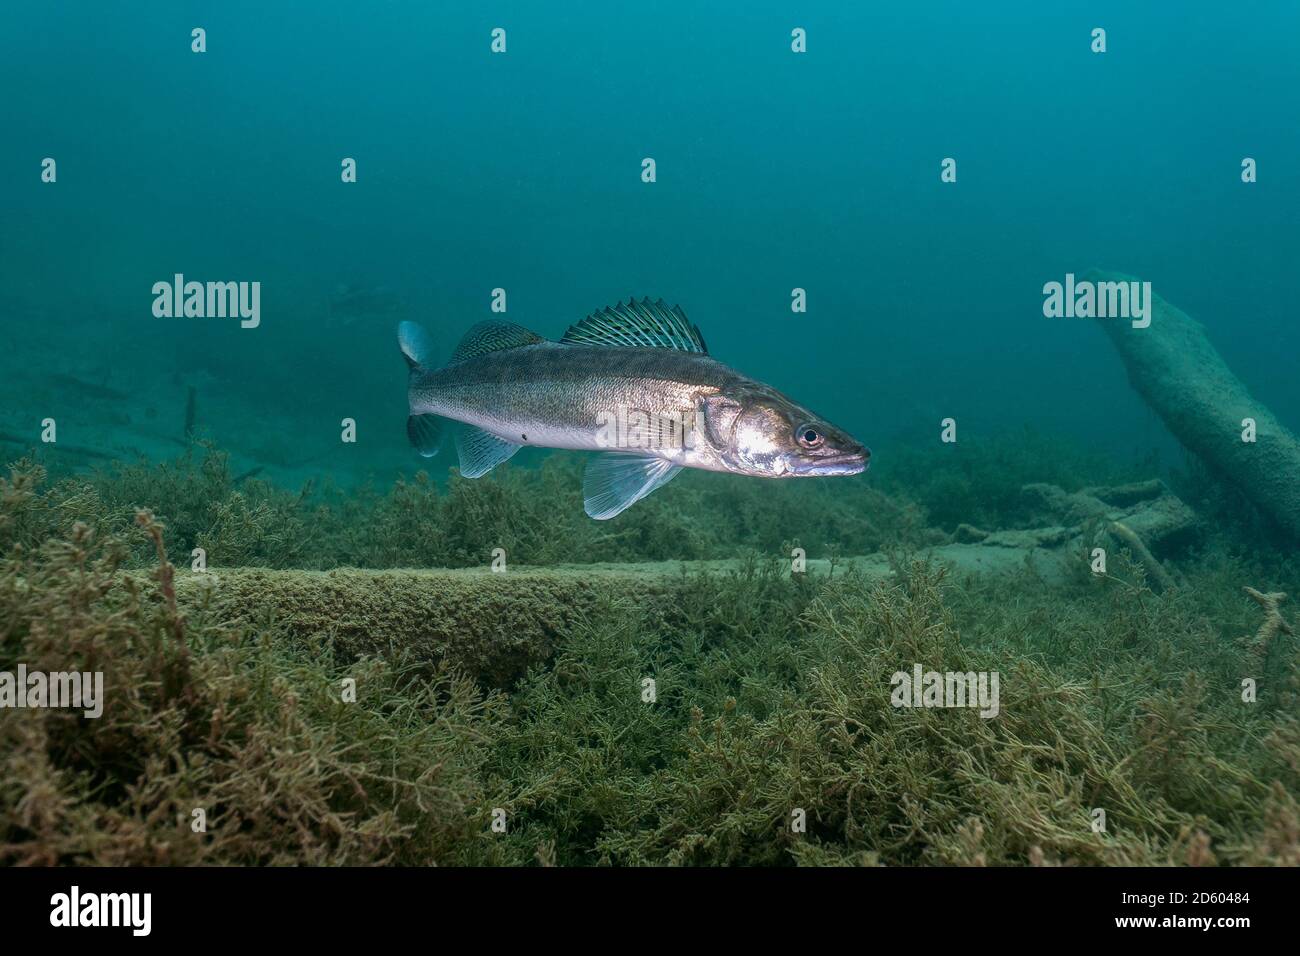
x=420 y=523
x=1151 y=746
x=978 y=481
x=524 y=694
x=250 y=730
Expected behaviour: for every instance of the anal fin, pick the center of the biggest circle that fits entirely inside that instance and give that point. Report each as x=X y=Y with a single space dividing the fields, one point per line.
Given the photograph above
x=614 y=481
x=425 y=433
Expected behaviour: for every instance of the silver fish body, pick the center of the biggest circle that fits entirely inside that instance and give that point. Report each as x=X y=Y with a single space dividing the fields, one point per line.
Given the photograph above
x=635 y=382
x=554 y=395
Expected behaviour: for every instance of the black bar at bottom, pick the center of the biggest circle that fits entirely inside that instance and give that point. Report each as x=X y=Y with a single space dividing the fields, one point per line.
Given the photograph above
x=330 y=906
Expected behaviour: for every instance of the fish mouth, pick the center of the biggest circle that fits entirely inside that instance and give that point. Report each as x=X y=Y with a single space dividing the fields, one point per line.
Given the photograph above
x=850 y=463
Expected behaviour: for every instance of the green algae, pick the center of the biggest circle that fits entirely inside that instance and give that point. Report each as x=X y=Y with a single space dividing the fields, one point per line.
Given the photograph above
x=534 y=515
x=519 y=697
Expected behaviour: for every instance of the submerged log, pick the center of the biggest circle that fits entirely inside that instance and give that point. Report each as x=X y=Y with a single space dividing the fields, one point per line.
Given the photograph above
x=1179 y=374
x=1141 y=516
x=494 y=627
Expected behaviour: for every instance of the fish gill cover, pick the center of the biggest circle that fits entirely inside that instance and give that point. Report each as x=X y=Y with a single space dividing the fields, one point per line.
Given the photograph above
x=1053 y=624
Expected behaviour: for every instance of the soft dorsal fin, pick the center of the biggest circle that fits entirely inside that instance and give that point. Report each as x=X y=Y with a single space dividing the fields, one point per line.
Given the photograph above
x=643 y=324
x=493 y=336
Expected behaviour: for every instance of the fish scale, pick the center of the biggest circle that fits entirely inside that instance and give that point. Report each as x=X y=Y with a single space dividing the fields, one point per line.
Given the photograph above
x=562 y=395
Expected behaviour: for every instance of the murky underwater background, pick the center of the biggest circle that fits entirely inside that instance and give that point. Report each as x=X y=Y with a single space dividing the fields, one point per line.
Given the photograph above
x=522 y=171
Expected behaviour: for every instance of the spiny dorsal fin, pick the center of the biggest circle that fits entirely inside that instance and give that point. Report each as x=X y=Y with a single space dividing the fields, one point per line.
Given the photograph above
x=492 y=336
x=643 y=324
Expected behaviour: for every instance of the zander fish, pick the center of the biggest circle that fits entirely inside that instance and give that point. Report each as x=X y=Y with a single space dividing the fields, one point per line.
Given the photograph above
x=634 y=382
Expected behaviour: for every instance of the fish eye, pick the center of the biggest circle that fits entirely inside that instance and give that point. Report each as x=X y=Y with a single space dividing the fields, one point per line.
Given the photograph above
x=810 y=437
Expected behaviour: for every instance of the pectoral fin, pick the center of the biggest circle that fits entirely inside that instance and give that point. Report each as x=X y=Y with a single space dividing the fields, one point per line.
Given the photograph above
x=614 y=481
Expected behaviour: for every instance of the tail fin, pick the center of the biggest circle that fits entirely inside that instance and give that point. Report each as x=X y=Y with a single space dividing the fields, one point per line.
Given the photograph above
x=415 y=345
x=424 y=431
x=479 y=450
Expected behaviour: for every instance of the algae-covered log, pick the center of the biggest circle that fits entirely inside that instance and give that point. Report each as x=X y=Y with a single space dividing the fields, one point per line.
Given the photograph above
x=1178 y=372
x=492 y=625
